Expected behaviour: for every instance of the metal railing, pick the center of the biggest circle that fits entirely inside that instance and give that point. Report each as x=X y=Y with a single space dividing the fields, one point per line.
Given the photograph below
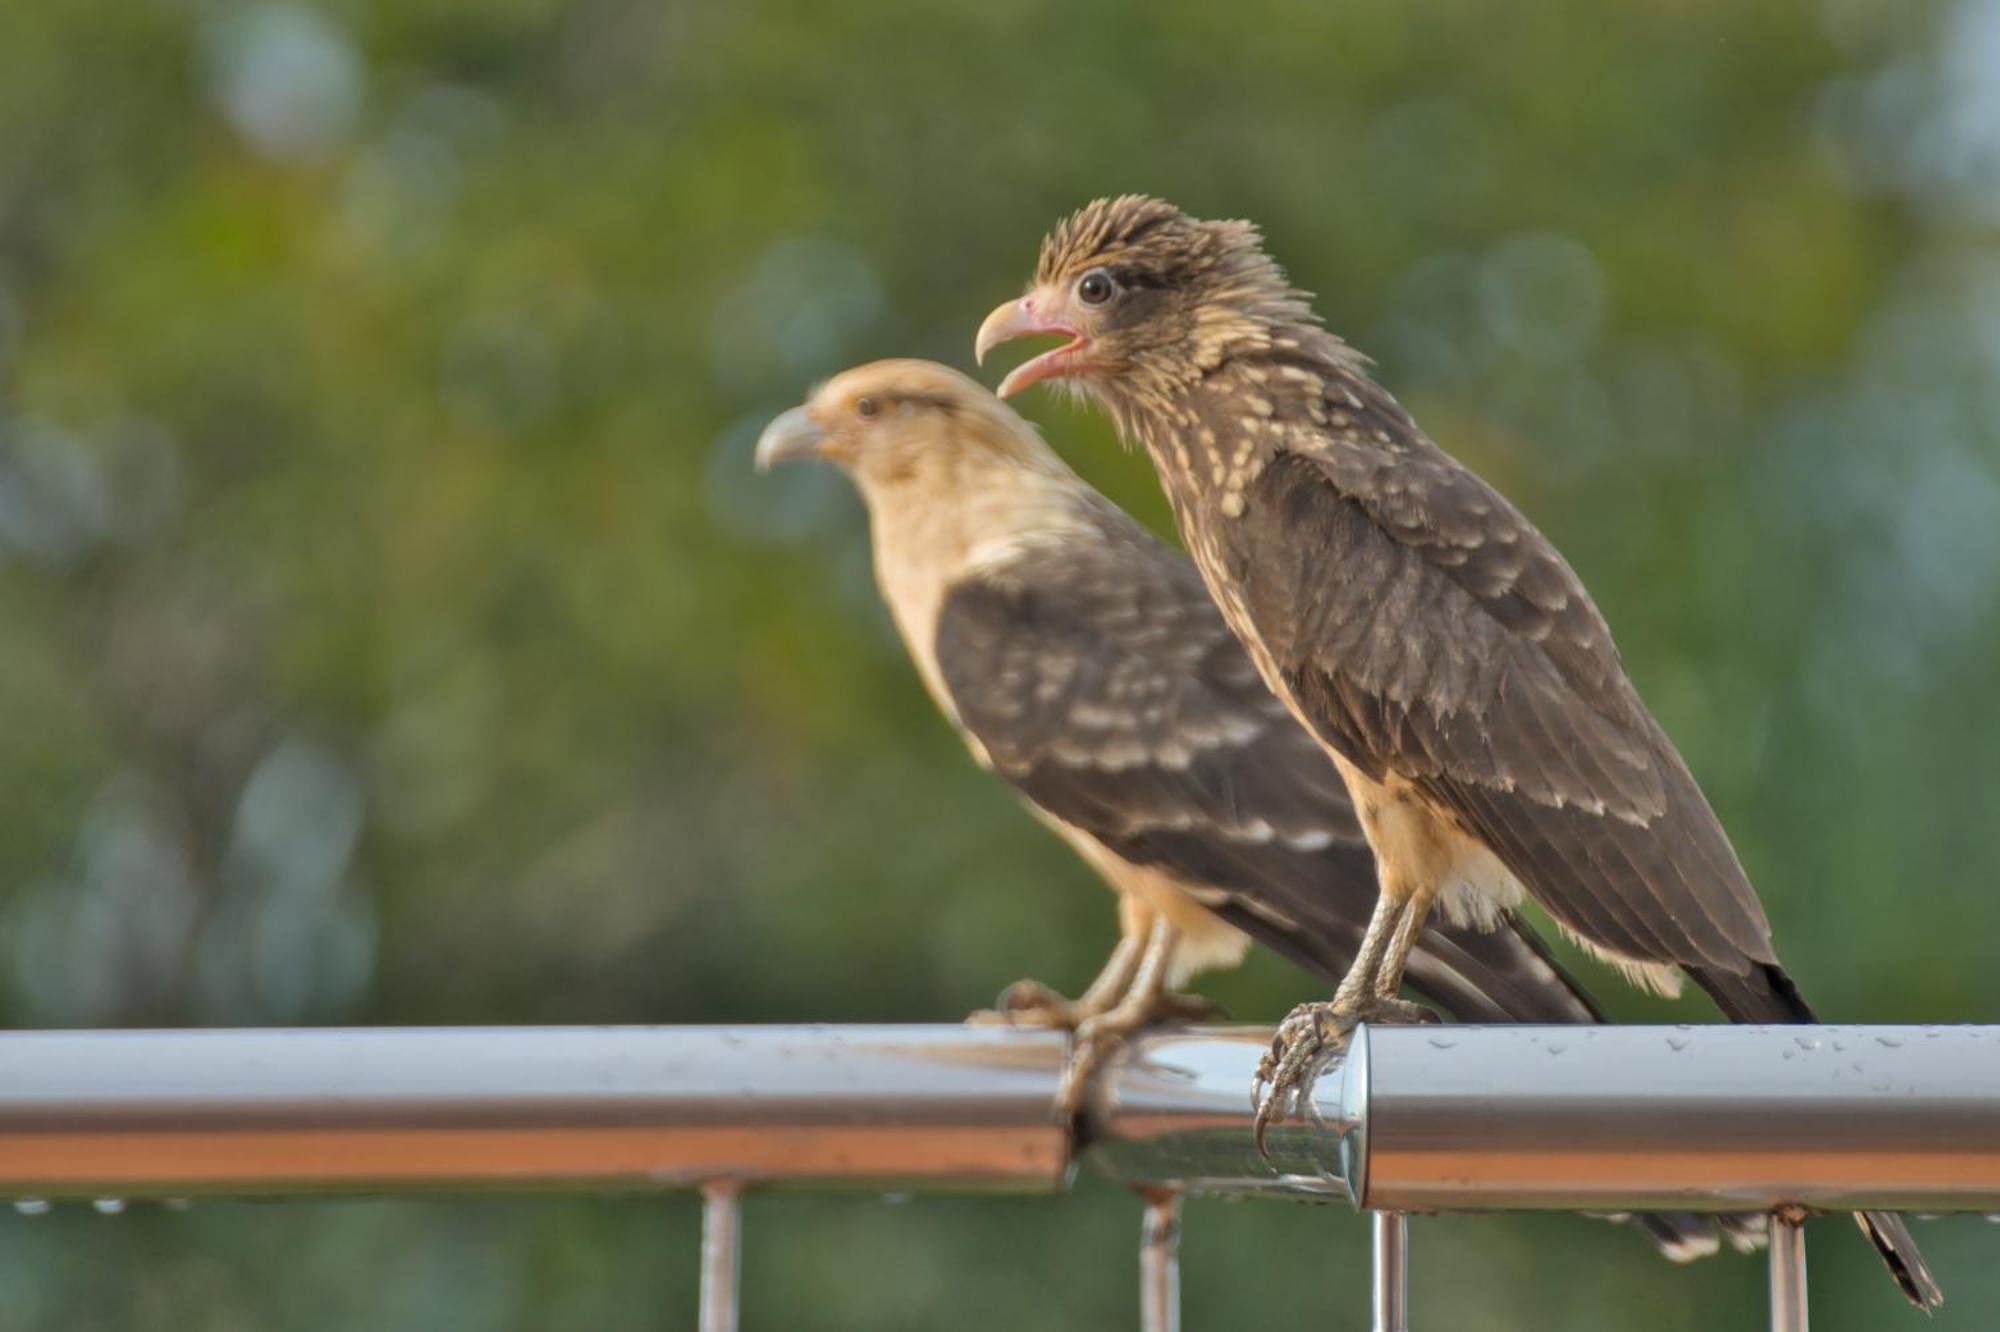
x=1727 y=1119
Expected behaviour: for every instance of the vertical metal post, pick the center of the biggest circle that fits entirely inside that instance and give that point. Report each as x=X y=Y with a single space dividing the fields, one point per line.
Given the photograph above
x=1390 y=1274
x=721 y=1254
x=1788 y=1271
x=1160 y=1263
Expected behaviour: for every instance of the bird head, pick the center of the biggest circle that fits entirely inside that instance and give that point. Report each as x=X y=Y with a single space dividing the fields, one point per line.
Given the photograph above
x=1146 y=296
x=890 y=424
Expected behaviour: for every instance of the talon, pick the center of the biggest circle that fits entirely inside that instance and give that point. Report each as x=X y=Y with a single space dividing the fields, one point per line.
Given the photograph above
x=1099 y=1036
x=1029 y=1003
x=1023 y=995
x=1282 y=1086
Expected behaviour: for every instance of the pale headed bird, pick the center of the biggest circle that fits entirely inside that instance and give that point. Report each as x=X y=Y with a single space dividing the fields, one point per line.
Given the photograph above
x=1082 y=661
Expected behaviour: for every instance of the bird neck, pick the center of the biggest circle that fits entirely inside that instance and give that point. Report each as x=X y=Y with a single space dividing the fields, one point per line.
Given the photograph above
x=1212 y=428
x=987 y=512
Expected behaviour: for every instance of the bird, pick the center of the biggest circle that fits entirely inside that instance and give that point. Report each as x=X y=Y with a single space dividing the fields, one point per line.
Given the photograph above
x=1430 y=638
x=1082 y=661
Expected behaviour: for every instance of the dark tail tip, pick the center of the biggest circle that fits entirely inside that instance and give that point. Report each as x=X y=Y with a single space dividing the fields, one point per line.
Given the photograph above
x=1891 y=1238
x=1764 y=993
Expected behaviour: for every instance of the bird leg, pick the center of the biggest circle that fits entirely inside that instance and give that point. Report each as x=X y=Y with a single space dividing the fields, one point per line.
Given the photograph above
x=1146 y=1002
x=1384 y=1005
x=1313 y=1034
x=1029 y=1003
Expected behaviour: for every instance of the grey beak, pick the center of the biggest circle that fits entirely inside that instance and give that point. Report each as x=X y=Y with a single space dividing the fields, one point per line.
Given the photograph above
x=790 y=436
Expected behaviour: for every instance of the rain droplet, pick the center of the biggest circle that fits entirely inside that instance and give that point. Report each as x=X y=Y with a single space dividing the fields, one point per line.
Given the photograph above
x=1557 y=1047
x=1806 y=1042
x=1442 y=1042
x=1888 y=1042
x=1677 y=1043
x=32 y=1206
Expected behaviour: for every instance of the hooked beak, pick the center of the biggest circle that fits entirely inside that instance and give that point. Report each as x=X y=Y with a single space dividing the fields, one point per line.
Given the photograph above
x=1025 y=318
x=791 y=436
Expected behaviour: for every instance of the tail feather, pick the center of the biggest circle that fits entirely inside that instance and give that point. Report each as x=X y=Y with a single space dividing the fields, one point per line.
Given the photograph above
x=1891 y=1238
x=1762 y=994
x=1766 y=994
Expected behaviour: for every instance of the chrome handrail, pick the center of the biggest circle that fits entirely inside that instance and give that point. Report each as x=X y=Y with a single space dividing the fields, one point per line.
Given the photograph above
x=1740 y=1119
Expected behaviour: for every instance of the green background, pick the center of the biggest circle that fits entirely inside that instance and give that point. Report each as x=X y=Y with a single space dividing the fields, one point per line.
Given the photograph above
x=392 y=629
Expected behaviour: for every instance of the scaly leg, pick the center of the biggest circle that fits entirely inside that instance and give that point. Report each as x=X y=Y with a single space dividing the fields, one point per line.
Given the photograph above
x=1384 y=1004
x=1314 y=1033
x=1146 y=1003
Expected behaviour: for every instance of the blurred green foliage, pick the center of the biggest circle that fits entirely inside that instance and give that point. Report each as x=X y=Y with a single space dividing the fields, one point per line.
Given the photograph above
x=394 y=630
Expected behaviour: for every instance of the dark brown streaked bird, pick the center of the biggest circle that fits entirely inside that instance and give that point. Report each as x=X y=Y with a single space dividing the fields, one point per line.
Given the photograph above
x=1082 y=660
x=1433 y=641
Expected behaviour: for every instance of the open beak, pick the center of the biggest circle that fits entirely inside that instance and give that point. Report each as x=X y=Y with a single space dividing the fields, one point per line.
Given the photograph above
x=791 y=436
x=1025 y=318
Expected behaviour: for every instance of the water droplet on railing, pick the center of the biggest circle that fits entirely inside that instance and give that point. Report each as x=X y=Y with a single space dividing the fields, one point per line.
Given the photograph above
x=1442 y=1042
x=32 y=1206
x=1677 y=1043
x=1806 y=1042
x=1888 y=1042
x=108 y=1206
x=1557 y=1047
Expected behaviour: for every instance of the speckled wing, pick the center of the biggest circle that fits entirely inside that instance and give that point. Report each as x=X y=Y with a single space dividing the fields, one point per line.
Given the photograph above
x=1428 y=630
x=1103 y=684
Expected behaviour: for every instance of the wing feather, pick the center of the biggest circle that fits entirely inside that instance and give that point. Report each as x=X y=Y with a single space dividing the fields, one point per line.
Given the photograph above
x=1100 y=680
x=1488 y=679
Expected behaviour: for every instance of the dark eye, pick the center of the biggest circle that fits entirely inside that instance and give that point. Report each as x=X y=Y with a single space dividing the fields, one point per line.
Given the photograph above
x=867 y=408
x=1094 y=287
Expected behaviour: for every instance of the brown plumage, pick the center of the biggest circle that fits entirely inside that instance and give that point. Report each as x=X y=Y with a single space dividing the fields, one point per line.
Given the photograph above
x=1420 y=628
x=1083 y=662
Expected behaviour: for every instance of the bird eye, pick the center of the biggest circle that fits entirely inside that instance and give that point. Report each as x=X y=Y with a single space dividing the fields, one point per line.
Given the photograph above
x=1094 y=287
x=867 y=408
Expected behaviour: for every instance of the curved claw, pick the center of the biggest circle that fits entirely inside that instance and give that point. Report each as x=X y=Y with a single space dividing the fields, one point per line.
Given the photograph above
x=1029 y=1003
x=1309 y=1036
x=1285 y=1075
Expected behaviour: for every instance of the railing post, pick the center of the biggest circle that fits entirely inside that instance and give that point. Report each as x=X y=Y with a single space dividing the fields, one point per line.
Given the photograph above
x=721 y=1254
x=1788 y=1271
x=1390 y=1271
x=1160 y=1263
